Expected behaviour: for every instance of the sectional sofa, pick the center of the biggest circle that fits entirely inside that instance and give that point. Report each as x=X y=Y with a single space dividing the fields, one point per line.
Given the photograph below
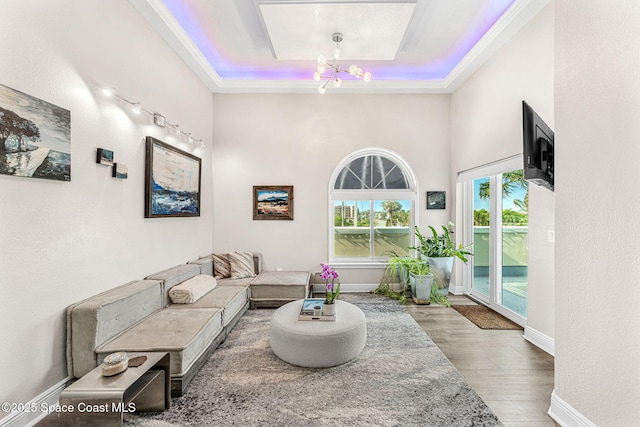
x=141 y=316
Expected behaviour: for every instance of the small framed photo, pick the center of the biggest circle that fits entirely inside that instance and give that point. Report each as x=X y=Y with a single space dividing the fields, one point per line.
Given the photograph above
x=273 y=202
x=436 y=200
x=120 y=171
x=104 y=157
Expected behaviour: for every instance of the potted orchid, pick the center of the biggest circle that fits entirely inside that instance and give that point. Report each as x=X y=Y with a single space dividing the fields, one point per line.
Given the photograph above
x=329 y=275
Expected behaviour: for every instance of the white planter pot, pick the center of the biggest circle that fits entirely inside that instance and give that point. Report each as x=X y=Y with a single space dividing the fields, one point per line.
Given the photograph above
x=329 y=309
x=442 y=267
x=421 y=288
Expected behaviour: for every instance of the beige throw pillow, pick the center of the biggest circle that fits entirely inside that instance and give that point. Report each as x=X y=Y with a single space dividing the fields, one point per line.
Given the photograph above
x=221 y=266
x=191 y=290
x=241 y=265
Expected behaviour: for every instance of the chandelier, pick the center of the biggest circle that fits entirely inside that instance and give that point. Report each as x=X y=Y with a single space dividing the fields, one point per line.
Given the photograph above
x=334 y=68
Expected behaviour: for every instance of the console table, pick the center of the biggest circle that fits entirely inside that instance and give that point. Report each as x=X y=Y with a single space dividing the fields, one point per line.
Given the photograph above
x=95 y=400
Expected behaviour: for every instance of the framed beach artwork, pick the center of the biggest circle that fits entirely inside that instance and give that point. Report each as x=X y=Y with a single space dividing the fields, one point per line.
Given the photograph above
x=35 y=137
x=273 y=202
x=104 y=157
x=120 y=171
x=172 y=181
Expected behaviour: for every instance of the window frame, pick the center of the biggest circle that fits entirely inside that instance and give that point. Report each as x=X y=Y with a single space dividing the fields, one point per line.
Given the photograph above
x=410 y=194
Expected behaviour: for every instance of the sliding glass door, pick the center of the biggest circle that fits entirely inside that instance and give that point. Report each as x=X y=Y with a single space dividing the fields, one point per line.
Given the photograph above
x=496 y=220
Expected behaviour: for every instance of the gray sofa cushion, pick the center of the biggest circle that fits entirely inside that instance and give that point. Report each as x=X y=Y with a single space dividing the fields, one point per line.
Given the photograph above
x=205 y=263
x=94 y=321
x=231 y=298
x=242 y=283
x=174 y=276
x=185 y=334
x=280 y=286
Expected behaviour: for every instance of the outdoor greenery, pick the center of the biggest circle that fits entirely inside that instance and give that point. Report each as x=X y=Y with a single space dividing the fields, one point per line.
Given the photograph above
x=509 y=217
x=391 y=215
x=511 y=181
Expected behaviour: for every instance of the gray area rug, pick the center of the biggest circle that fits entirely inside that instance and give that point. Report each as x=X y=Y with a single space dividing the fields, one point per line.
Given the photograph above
x=400 y=379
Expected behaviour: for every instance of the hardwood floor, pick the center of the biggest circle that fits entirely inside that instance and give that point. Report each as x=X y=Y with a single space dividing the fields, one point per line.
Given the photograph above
x=514 y=377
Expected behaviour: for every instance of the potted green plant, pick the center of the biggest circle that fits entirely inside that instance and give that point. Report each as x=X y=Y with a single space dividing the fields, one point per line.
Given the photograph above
x=396 y=270
x=439 y=251
x=421 y=280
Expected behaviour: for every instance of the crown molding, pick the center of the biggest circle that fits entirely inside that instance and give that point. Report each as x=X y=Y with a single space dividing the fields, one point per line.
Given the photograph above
x=163 y=22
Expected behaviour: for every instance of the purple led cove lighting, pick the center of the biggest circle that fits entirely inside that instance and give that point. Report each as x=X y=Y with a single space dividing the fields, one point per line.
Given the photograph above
x=227 y=68
x=440 y=69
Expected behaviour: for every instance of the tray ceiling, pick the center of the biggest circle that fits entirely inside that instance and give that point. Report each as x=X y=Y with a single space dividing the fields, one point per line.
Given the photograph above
x=271 y=46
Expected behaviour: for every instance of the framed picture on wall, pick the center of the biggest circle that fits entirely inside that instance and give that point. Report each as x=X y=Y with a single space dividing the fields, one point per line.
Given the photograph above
x=35 y=137
x=273 y=202
x=436 y=200
x=104 y=157
x=172 y=181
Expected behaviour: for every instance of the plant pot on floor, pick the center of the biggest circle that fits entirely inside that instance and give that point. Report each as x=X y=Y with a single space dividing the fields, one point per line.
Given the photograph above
x=421 y=288
x=441 y=267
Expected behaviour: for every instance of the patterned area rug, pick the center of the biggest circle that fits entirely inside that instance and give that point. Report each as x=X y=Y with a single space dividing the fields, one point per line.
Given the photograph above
x=400 y=379
x=485 y=318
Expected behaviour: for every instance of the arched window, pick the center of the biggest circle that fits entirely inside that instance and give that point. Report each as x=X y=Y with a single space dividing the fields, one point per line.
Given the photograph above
x=372 y=195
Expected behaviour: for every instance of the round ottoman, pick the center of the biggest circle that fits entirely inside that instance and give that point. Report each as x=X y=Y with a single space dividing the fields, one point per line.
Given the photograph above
x=318 y=343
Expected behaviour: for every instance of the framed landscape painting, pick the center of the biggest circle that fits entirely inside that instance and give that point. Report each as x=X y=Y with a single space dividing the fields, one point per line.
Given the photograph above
x=172 y=181
x=273 y=202
x=35 y=137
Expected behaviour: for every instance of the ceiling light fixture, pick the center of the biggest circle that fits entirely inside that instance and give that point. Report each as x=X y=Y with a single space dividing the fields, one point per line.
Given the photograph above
x=335 y=69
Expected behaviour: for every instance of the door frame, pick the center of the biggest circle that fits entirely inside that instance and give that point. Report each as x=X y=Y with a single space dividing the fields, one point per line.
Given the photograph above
x=466 y=178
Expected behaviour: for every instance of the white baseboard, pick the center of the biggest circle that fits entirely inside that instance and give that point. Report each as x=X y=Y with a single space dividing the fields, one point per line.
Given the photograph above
x=456 y=289
x=540 y=340
x=40 y=403
x=350 y=287
x=565 y=415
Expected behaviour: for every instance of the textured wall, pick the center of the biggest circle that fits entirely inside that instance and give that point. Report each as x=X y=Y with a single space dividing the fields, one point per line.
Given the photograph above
x=298 y=140
x=486 y=125
x=597 y=105
x=63 y=241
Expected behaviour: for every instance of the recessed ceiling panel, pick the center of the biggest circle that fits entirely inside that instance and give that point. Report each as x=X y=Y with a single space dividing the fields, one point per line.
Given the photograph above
x=272 y=45
x=302 y=31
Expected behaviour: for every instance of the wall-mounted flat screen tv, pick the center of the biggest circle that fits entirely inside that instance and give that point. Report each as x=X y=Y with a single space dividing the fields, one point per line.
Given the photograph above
x=537 y=148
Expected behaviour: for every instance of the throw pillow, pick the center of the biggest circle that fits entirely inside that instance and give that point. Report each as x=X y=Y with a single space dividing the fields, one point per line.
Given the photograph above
x=241 y=265
x=221 y=266
x=191 y=290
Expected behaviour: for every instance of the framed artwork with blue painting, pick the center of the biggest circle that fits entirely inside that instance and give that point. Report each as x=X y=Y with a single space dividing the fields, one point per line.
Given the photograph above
x=172 y=181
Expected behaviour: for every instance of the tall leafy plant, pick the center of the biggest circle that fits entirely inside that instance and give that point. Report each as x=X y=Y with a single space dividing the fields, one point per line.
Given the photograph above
x=440 y=245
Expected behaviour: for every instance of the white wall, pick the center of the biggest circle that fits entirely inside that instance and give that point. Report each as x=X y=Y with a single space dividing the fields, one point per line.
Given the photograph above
x=64 y=241
x=597 y=106
x=298 y=140
x=486 y=125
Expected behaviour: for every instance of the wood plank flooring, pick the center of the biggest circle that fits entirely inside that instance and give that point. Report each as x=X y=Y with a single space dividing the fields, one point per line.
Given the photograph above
x=514 y=377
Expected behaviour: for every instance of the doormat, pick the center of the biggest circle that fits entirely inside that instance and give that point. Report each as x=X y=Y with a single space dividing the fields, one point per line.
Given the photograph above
x=485 y=318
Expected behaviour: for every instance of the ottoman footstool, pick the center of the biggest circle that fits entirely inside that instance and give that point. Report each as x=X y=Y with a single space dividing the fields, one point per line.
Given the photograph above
x=275 y=288
x=318 y=344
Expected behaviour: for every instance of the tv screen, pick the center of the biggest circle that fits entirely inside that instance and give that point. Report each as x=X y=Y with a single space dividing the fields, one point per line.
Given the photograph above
x=537 y=148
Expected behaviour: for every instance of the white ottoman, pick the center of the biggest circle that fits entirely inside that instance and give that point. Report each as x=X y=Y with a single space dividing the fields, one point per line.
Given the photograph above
x=315 y=343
